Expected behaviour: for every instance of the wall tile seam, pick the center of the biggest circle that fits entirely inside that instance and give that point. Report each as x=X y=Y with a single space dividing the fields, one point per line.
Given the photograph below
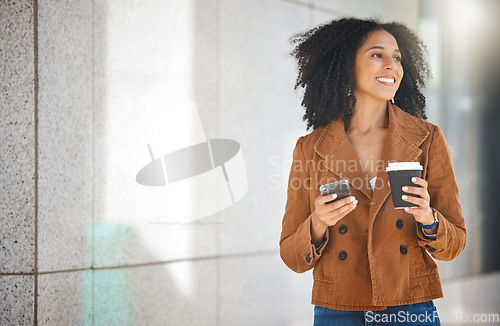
x=312 y=6
x=299 y=3
x=93 y=100
x=166 y=262
x=18 y=274
x=35 y=109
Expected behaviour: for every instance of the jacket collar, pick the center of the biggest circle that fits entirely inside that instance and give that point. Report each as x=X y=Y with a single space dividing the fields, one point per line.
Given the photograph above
x=405 y=134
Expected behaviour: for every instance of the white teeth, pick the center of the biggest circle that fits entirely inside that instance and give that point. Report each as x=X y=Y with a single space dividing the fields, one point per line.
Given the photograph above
x=386 y=80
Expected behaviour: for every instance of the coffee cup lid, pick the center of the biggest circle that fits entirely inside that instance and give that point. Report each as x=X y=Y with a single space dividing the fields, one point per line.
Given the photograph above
x=396 y=166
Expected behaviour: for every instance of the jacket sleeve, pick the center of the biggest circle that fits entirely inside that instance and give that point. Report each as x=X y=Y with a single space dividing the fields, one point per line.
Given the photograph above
x=443 y=191
x=296 y=248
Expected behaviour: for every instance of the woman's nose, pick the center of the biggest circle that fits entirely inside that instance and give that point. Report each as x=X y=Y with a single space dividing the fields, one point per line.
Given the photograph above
x=390 y=64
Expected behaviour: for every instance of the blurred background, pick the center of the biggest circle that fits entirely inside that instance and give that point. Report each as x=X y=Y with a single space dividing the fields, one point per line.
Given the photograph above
x=86 y=86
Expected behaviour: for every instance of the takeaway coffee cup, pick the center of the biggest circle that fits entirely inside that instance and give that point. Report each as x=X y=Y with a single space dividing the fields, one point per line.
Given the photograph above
x=400 y=174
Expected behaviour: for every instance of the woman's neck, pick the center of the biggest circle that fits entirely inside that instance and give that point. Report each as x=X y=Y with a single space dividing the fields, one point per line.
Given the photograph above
x=368 y=116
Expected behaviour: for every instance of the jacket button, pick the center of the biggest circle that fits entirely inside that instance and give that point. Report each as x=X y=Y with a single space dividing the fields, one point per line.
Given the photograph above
x=342 y=255
x=399 y=224
x=342 y=229
x=308 y=258
x=431 y=249
x=403 y=250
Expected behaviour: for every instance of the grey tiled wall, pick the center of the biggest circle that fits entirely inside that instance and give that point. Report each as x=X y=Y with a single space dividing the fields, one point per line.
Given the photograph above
x=65 y=140
x=77 y=81
x=17 y=164
x=17 y=150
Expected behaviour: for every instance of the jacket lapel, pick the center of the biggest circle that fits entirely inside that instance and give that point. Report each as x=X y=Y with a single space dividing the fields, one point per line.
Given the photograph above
x=339 y=155
x=405 y=134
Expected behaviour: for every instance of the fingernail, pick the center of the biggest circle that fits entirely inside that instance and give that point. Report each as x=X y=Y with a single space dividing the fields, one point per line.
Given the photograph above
x=405 y=188
x=352 y=198
x=413 y=179
x=355 y=202
x=405 y=197
x=407 y=209
x=334 y=196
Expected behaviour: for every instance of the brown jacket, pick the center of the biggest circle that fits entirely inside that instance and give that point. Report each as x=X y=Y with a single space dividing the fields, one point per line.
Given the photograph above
x=376 y=256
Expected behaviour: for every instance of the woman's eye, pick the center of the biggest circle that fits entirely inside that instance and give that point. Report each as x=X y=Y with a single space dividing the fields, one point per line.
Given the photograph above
x=397 y=59
x=377 y=55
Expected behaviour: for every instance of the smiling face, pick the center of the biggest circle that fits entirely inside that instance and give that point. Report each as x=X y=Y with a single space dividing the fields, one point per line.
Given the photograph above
x=377 y=67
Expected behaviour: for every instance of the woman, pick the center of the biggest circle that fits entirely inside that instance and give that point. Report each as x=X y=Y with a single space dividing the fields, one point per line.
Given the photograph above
x=372 y=263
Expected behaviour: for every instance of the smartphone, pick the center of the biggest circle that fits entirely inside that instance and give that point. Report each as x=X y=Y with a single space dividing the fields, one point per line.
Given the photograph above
x=341 y=188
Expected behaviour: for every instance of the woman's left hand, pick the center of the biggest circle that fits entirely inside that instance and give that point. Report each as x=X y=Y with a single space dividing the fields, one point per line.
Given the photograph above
x=422 y=213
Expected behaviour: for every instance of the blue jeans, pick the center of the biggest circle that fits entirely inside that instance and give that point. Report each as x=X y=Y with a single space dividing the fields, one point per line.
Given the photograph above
x=421 y=314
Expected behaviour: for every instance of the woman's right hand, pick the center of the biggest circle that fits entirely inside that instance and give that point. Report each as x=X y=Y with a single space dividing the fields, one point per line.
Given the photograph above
x=326 y=215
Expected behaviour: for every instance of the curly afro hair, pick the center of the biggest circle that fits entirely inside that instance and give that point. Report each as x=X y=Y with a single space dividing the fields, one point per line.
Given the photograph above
x=325 y=56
